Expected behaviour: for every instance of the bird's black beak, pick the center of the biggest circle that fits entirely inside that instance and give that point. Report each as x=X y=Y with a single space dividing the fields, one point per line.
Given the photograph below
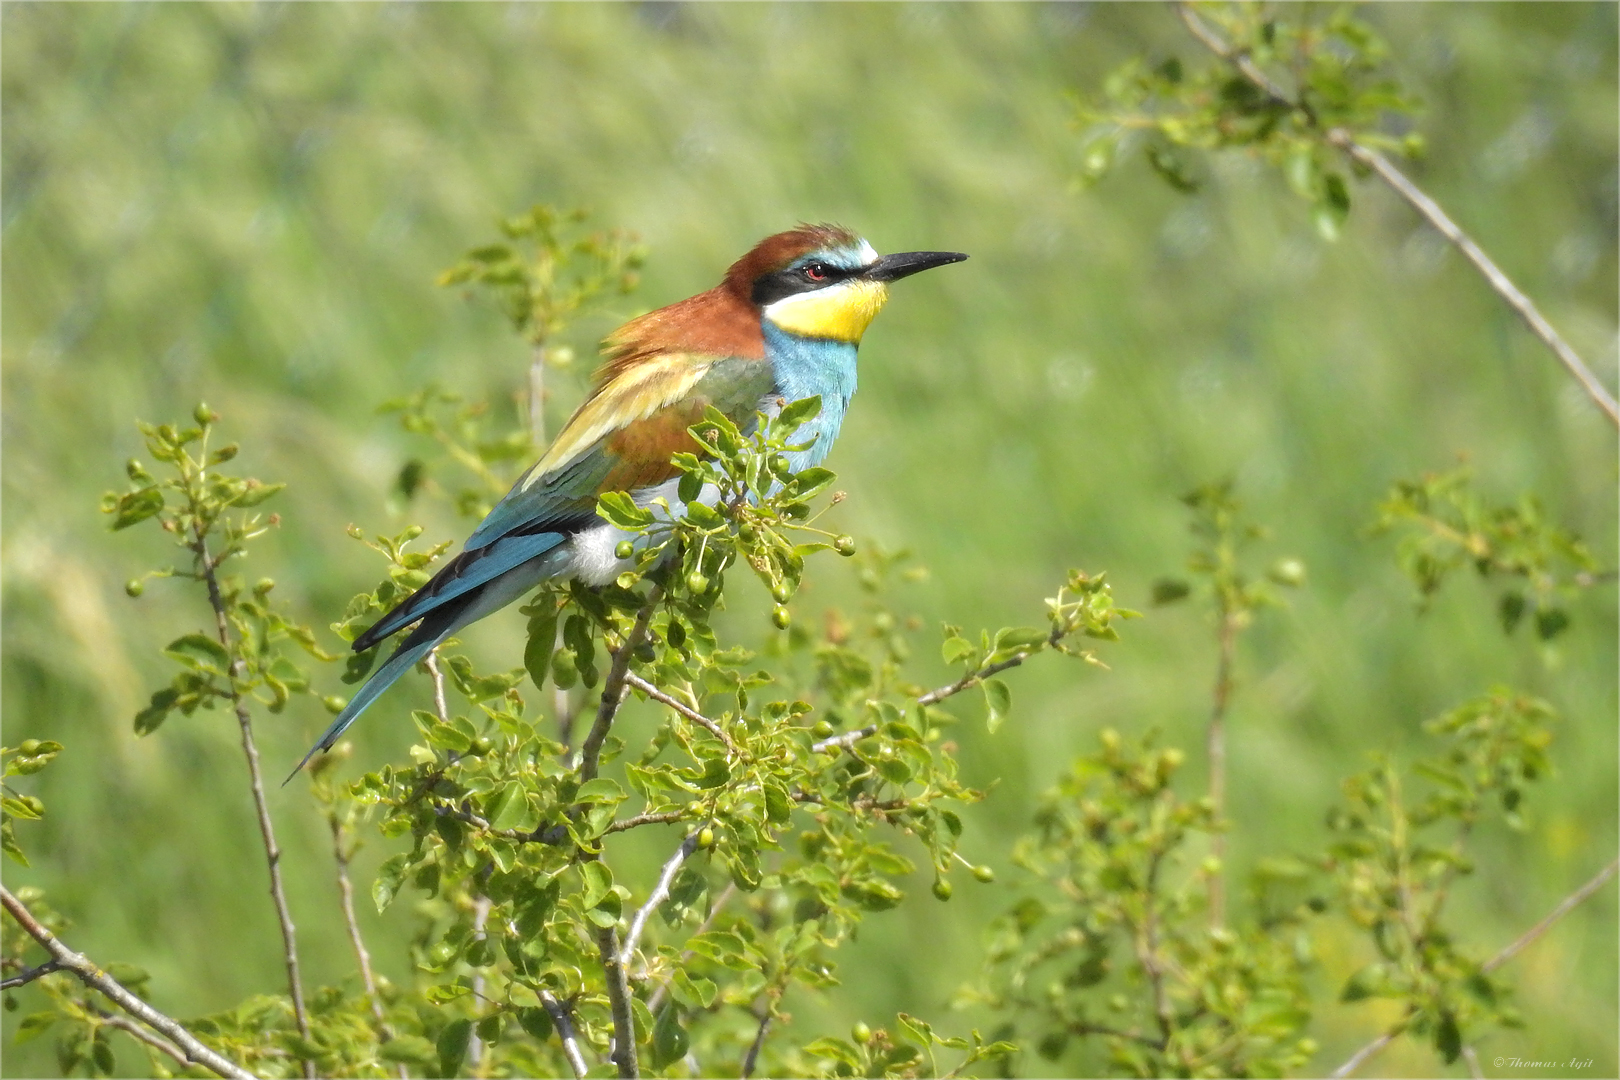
x=906 y=263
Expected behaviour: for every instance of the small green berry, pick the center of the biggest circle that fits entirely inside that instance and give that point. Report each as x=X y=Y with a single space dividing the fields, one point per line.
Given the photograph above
x=782 y=591
x=706 y=838
x=134 y=586
x=334 y=704
x=697 y=583
x=624 y=549
x=264 y=585
x=747 y=533
x=202 y=413
x=1289 y=572
x=844 y=545
x=942 y=889
x=822 y=730
x=984 y=874
x=779 y=464
x=480 y=747
x=781 y=617
x=136 y=470
x=861 y=1032
x=412 y=532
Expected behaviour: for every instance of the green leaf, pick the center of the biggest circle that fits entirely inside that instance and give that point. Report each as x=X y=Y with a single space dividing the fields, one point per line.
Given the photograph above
x=1021 y=637
x=135 y=507
x=1370 y=981
x=199 y=652
x=669 y=1039
x=693 y=992
x=619 y=509
x=1448 y=1037
x=390 y=875
x=598 y=882
x=256 y=493
x=542 y=640
x=999 y=699
x=34 y=1025
x=955 y=649
x=537 y=1022
x=798 y=412
x=408 y=1049
x=508 y=808
x=452 y=1045
x=600 y=790
x=715 y=774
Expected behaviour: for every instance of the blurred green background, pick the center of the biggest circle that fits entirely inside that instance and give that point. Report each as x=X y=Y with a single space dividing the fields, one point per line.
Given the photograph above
x=249 y=205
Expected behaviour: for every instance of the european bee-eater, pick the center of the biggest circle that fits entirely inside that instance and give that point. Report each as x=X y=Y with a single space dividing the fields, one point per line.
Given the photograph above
x=783 y=325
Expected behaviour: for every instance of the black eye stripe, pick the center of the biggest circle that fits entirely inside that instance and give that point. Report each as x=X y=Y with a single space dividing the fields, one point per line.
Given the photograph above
x=781 y=284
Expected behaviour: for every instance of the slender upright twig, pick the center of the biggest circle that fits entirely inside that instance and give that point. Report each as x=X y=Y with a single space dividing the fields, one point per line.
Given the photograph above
x=475 y=1045
x=1215 y=747
x=1414 y=197
x=145 y=1035
x=659 y=894
x=1508 y=952
x=613 y=688
x=94 y=977
x=657 y=997
x=618 y=991
x=267 y=832
x=758 y=1044
x=565 y=1033
x=341 y=855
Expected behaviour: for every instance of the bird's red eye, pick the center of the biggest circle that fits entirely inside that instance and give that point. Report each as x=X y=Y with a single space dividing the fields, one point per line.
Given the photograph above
x=816 y=272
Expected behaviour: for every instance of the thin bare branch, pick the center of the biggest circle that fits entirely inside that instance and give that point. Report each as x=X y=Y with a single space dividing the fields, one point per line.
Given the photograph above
x=28 y=975
x=657 y=997
x=1426 y=207
x=91 y=974
x=618 y=991
x=844 y=741
x=145 y=1035
x=1565 y=906
x=475 y=1045
x=1508 y=952
x=565 y=1033
x=613 y=690
x=659 y=894
x=1472 y=1060
x=637 y=682
x=1372 y=1049
x=441 y=709
x=1115 y=1033
x=267 y=832
x=974 y=678
x=341 y=855
x=758 y=1044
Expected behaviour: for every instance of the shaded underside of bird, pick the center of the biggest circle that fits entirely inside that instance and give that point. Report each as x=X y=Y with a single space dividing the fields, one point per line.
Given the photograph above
x=783 y=325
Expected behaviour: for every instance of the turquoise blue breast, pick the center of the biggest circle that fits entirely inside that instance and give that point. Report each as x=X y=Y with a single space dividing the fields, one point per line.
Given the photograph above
x=808 y=367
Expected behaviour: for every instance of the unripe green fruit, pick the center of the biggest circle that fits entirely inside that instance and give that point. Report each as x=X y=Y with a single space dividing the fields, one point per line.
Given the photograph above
x=984 y=874
x=861 y=1032
x=779 y=464
x=747 y=533
x=706 y=838
x=202 y=413
x=264 y=585
x=624 y=549
x=844 y=545
x=480 y=747
x=783 y=592
x=134 y=586
x=334 y=704
x=135 y=469
x=781 y=617
x=822 y=730
x=942 y=889
x=412 y=532
x=698 y=583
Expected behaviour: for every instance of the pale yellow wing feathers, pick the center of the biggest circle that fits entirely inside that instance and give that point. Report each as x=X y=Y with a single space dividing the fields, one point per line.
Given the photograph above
x=633 y=395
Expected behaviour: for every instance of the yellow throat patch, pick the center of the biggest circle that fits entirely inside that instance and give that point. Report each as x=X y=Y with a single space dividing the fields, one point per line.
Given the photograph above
x=841 y=313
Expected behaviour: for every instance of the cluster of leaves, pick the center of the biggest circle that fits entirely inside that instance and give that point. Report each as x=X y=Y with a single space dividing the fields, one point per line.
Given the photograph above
x=209 y=513
x=1112 y=944
x=1397 y=855
x=23 y=760
x=769 y=792
x=544 y=274
x=547 y=270
x=1223 y=534
x=1446 y=527
x=1322 y=72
